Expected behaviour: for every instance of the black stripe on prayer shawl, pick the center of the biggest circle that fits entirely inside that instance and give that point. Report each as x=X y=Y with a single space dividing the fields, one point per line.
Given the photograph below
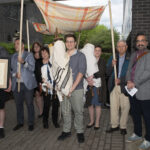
x=66 y=79
x=60 y=75
x=57 y=73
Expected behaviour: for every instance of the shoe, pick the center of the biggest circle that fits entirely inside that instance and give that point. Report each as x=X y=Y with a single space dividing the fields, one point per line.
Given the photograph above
x=56 y=125
x=134 y=138
x=64 y=135
x=80 y=137
x=123 y=131
x=145 y=145
x=17 y=127
x=110 y=130
x=45 y=125
x=96 y=128
x=90 y=126
x=31 y=128
x=40 y=116
x=2 y=133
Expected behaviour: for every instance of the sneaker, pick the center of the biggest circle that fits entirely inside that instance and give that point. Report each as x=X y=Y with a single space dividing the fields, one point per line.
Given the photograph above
x=2 y=133
x=80 y=137
x=145 y=145
x=64 y=135
x=134 y=138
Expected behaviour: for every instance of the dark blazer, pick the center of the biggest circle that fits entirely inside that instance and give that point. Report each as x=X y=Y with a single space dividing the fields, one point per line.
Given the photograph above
x=110 y=72
x=102 y=74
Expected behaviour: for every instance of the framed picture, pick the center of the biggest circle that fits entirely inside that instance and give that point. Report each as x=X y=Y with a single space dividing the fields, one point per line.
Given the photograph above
x=4 y=64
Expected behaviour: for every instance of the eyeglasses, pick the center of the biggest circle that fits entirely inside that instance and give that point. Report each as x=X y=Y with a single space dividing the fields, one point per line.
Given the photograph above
x=138 y=41
x=121 y=46
x=70 y=41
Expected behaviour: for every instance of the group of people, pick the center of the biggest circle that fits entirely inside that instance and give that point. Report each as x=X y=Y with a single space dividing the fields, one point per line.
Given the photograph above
x=132 y=71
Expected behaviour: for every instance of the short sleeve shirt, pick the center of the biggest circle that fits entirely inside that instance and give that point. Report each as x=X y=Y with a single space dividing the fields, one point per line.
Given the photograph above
x=78 y=65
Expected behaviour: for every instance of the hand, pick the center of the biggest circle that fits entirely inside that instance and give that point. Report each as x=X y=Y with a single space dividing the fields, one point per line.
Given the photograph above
x=71 y=90
x=18 y=75
x=117 y=81
x=130 y=85
x=89 y=78
x=91 y=83
x=20 y=60
x=9 y=88
x=114 y=62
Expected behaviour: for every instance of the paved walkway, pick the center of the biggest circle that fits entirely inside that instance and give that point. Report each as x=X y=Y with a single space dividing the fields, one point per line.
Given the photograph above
x=46 y=139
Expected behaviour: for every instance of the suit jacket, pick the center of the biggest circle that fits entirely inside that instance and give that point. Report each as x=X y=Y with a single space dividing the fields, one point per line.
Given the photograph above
x=142 y=75
x=27 y=70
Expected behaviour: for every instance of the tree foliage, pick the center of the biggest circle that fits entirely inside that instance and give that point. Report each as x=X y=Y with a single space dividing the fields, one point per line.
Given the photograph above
x=100 y=35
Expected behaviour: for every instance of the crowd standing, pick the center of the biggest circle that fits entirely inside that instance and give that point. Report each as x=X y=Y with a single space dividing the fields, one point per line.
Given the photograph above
x=36 y=80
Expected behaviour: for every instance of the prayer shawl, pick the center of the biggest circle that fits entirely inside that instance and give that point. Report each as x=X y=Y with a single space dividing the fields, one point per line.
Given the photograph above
x=66 y=19
x=61 y=70
x=47 y=76
x=92 y=67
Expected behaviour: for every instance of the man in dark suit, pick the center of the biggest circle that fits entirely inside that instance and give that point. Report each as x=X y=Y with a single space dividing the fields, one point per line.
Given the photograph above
x=27 y=84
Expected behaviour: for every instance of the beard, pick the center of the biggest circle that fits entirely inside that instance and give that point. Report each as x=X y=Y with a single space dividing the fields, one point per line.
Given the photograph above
x=141 y=47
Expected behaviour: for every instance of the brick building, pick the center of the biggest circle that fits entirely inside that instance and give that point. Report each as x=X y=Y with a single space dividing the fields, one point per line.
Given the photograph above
x=136 y=19
x=10 y=19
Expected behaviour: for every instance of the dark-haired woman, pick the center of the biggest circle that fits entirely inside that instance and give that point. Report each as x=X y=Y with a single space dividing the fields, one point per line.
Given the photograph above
x=48 y=86
x=36 y=49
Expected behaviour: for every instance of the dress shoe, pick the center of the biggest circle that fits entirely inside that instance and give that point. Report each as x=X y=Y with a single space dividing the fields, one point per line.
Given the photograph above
x=96 y=128
x=2 y=133
x=64 y=135
x=17 y=127
x=31 y=128
x=80 y=137
x=90 y=126
x=40 y=116
x=56 y=125
x=45 y=125
x=123 y=131
x=110 y=130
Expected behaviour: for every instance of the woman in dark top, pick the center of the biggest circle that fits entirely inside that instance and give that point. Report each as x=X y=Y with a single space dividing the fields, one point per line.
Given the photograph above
x=96 y=97
x=36 y=48
x=48 y=88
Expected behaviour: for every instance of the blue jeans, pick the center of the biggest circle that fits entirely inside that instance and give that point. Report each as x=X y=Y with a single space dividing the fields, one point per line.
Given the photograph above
x=139 y=108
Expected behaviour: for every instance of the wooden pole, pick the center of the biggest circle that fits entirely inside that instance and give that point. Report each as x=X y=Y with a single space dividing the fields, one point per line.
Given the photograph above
x=78 y=42
x=20 y=46
x=28 y=39
x=112 y=36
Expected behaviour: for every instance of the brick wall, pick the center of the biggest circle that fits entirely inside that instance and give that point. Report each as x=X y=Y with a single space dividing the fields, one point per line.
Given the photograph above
x=140 y=18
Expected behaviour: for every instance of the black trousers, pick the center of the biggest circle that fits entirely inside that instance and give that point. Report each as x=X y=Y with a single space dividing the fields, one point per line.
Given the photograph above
x=26 y=95
x=50 y=100
x=140 y=108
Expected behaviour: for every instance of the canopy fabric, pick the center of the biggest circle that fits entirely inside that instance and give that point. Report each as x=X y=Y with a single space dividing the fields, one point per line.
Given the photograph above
x=66 y=19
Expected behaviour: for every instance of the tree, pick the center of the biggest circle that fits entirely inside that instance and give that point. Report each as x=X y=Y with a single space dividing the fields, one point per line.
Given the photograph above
x=100 y=35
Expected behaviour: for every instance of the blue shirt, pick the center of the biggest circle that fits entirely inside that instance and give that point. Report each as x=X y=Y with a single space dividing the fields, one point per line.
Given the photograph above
x=121 y=61
x=78 y=64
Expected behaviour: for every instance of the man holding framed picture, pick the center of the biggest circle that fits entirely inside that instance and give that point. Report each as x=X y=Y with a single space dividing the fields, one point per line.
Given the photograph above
x=5 y=86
